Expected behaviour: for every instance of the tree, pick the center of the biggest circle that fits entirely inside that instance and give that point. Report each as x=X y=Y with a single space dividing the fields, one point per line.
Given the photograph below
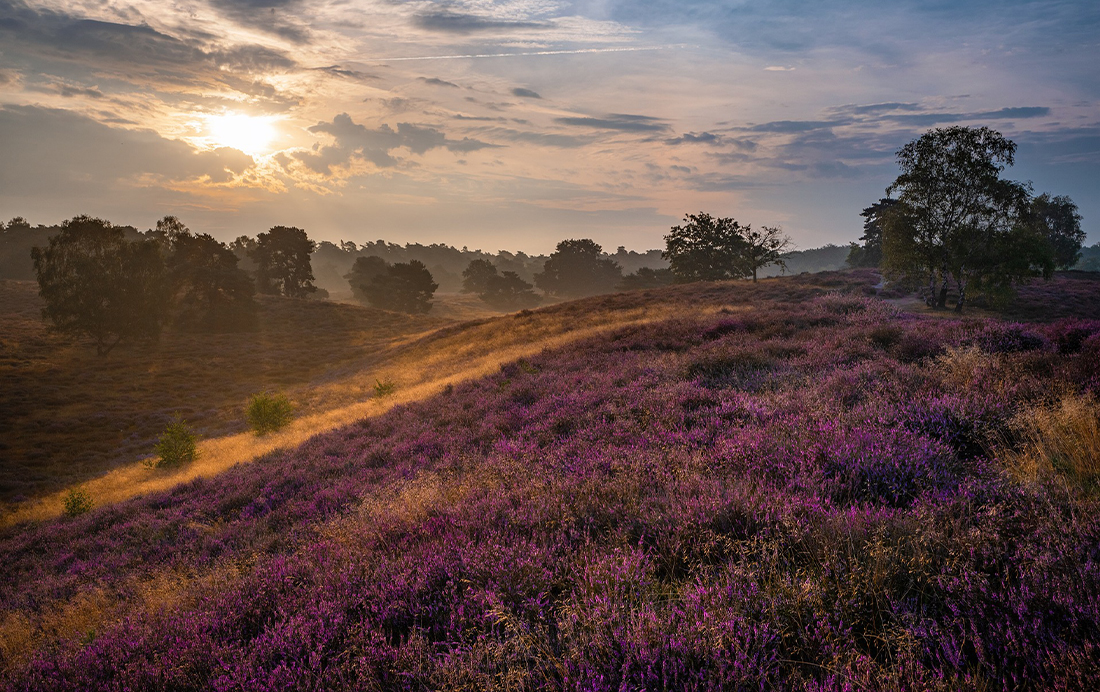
x=646 y=277
x=404 y=287
x=870 y=253
x=96 y=283
x=763 y=248
x=476 y=276
x=283 y=262
x=1057 y=219
x=577 y=268
x=508 y=292
x=706 y=248
x=957 y=215
x=362 y=274
x=210 y=290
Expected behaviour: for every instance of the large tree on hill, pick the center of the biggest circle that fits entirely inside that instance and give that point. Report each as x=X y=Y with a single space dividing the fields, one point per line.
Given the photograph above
x=578 y=268
x=957 y=219
x=211 y=291
x=764 y=248
x=95 y=283
x=706 y=248
x=404 y=287
x=282 y=257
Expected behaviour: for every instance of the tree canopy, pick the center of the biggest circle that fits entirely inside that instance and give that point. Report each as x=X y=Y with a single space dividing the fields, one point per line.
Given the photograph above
x=403 y=287
x=763 y=248
x=362 y=273
x=869 y=254
x=956 y=219
x=706 y=248
x=476 y=276
x=282 y=257
x=97 y=284
x=210 y=290
x=508 y=292
x=1056 y=219
x=578 y=268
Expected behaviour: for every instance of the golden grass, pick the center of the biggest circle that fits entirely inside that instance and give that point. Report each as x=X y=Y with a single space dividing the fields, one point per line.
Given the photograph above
x=99 y=418
x=1060 y=440
x=419 y=370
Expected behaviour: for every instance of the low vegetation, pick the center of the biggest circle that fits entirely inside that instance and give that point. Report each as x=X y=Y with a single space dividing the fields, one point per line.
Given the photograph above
x=268 y=413
x=798 y=490
x=175 y=447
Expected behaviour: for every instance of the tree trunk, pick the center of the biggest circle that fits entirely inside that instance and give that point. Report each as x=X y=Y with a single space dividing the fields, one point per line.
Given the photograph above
x=754 y=274
x=930 y=299
x=962 y=297
x=941 y=300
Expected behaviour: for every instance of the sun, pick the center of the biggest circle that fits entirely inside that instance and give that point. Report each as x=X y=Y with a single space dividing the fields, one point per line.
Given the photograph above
x=248 y=133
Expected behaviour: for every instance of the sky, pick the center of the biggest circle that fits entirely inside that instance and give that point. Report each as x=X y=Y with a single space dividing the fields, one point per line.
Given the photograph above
x=513 y=124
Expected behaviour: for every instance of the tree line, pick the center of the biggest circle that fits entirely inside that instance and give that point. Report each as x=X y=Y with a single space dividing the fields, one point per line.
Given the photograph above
x=957 y=225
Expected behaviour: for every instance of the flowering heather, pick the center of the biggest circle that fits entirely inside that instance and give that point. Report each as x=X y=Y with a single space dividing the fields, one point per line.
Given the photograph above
x=789 y=496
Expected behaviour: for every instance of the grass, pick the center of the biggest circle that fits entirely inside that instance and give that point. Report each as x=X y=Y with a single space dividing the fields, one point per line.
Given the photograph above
x=71 y=416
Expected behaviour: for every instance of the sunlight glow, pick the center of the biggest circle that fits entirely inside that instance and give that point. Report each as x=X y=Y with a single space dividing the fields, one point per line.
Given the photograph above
x=251 y=134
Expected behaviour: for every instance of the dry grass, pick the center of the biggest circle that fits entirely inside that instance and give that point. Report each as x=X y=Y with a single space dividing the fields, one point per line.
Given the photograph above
x=1061 y=440
x=87 y=422
x=70 y=415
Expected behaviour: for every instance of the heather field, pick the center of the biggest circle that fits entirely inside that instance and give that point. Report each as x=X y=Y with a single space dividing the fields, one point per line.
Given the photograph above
x=792 y=486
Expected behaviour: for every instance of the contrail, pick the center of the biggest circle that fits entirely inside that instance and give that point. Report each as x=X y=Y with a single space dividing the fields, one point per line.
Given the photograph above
x=512 y=55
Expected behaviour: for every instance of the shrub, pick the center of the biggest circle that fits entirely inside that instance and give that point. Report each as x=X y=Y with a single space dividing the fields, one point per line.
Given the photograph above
x=176 y=446
x=269 y=412
x=77 y=502
x=383 y=388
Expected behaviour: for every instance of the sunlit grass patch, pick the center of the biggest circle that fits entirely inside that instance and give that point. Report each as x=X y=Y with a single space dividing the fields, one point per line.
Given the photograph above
x=1061 y=439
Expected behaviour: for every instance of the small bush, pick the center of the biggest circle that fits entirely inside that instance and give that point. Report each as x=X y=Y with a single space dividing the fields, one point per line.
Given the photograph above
x=176 y=446
x=383 y=388
x=77 y=502
x=269 y=412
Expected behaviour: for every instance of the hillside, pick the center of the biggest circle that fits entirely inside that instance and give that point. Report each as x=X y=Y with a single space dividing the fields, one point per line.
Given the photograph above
x=788 y=485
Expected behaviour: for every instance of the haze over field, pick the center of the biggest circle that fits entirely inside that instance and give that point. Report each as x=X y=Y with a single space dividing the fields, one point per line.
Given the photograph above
x=513 y=124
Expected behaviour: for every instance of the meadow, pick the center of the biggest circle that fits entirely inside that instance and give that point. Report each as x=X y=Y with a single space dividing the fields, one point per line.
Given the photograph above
x=792 y=485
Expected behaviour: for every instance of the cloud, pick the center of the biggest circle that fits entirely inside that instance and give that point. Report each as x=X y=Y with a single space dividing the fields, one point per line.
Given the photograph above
x=353 y=140
x=63 y=154
x=1019 y=113
x=71 y=91
x=525 y=93
x=343 y=72
x=55 y=42
x=693 y=138
x=445 y=21
x=778 y=68
x=544 y=139
x=436 y=81
x=266 y=15
x=619 y=122
x=791 y=126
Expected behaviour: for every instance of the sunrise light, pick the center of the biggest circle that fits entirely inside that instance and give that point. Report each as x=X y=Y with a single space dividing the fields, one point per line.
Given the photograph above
x=248 y=133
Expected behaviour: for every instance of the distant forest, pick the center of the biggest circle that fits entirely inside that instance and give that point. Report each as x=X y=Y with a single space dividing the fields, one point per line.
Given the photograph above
x=332 y=261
